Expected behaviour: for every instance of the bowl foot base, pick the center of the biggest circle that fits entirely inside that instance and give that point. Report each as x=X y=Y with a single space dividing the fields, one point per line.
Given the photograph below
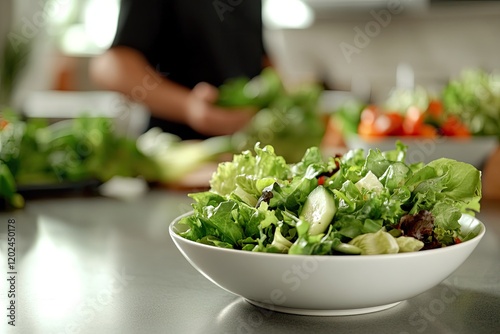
x=327 y=313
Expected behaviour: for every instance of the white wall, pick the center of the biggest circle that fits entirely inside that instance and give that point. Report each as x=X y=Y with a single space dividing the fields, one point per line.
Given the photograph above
x=29 y=26
x=438 y=44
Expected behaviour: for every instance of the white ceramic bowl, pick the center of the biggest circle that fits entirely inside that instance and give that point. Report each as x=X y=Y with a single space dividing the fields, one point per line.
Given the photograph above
x=326 y=285
x=473 y=150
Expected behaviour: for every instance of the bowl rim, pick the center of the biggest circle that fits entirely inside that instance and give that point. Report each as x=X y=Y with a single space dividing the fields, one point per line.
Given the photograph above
x=175 y=236
x=485 y=139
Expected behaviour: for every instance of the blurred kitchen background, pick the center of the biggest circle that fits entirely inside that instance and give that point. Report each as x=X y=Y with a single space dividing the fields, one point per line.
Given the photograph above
x=348 y=45
x=355 y=48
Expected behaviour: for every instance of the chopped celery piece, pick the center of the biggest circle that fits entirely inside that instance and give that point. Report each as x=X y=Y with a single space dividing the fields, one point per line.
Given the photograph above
x=409 y=244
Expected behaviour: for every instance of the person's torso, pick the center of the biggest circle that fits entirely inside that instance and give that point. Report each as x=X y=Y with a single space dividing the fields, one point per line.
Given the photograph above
x=207 y=40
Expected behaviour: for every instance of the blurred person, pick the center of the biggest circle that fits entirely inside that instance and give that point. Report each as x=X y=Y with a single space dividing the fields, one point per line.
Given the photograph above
x=172 y=54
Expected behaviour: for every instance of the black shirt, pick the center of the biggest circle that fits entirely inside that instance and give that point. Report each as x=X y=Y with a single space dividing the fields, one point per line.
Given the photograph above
x=189 y=41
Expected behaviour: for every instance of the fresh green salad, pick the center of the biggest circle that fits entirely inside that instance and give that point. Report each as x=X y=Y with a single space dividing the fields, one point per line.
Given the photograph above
x=358 y=203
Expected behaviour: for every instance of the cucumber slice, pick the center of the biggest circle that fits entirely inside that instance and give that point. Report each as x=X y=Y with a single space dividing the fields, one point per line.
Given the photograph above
x=319 y=210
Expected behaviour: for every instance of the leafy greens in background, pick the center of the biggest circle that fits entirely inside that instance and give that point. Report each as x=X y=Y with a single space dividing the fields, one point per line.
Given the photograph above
x=475 y=98
x=255 y=201
x=258 y=92
x=70 y=150
x=36 y=153
x=287 y=119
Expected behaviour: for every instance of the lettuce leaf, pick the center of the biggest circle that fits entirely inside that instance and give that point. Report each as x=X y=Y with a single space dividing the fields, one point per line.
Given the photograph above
x=266 y=164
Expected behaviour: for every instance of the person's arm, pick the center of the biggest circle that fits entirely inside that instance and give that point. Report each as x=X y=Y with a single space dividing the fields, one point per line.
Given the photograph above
x=126 y=70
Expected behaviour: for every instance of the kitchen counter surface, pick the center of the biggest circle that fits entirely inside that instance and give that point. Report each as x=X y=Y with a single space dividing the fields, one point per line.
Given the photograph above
x=101 y=265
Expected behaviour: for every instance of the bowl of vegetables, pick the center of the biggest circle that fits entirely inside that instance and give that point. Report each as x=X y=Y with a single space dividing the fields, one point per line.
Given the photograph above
x=458 y=124
x=428 y=134
x=324 y=236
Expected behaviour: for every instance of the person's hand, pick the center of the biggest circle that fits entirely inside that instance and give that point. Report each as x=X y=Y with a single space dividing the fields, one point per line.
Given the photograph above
x=211 y=120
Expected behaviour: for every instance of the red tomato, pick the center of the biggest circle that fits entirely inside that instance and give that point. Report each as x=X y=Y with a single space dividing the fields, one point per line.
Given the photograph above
x=427 y=131
x=369 y=114
x=397 y=119
x=3 y=124
x=435 y=109
x=452 y=126
x=367 y=130
x=413 y=121
x=375 y=122
x=388 y=124
x=366 y=125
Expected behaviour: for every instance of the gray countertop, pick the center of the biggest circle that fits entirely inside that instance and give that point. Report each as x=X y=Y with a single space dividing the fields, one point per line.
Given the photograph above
x=100 y=265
